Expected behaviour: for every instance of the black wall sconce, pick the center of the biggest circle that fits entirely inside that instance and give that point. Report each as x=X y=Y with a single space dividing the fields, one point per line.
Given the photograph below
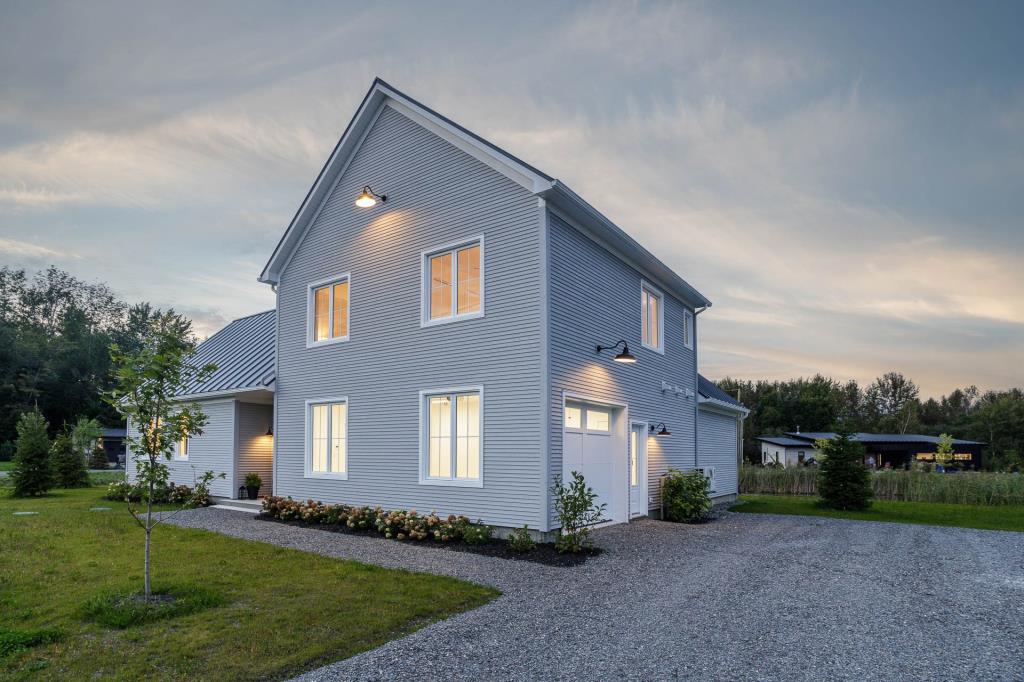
x=270 y=430
x=368 y=198
x=663 y=432
x=625 y=356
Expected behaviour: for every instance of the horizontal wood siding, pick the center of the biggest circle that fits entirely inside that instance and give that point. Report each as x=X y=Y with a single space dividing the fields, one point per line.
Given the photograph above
x=595 y=299
x=716 y=436
x=255 y=447
x=213 y=450
x=437 y=195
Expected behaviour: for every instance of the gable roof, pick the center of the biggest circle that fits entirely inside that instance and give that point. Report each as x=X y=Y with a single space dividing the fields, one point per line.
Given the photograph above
x=710 y=392
x=863 y=437
x=785 y=442
x=558 y=195
x=244 y=354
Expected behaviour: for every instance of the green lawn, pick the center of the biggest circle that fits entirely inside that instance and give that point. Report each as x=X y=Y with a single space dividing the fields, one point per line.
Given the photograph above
x=286 y=611
x=6 y=466
x=1005 y=517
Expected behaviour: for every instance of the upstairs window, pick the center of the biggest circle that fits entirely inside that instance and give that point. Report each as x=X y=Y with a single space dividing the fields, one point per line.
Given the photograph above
x=652 y=315
x=183 y=448
x=452 y=446
x=688 y=329
x=453 y=283
x=328 y=311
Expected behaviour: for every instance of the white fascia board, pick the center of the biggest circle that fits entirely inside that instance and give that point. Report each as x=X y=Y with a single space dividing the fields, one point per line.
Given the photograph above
x=722 y=406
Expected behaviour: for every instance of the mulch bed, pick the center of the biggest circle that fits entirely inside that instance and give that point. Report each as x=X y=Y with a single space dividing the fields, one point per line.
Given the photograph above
x=543 y=553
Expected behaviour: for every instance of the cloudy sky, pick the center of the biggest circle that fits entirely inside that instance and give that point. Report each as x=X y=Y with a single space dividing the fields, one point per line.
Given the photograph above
x=845 y=181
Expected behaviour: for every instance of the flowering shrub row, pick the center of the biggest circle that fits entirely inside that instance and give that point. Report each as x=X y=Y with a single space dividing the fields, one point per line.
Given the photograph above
x=397 y=524
x=123 y=491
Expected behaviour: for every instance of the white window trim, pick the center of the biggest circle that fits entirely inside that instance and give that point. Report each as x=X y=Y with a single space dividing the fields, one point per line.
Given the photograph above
x=651 y=289
x=688 y=328
x=424 y=434
x=307 y=443
x=311 y=310
x=583 y=428
x=181 y=454
x=425 y=257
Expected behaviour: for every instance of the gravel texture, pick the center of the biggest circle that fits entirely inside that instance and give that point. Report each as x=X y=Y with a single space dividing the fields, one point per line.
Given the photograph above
x=746 y=597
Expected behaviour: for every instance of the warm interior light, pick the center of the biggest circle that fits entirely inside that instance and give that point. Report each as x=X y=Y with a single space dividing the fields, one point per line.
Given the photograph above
x=365 y=200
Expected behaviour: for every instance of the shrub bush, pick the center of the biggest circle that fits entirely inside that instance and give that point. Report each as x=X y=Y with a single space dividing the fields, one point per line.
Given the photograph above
x=686 y=495
x=478 y=533
x=98 y=458
x=32 y=473
x=844 y=483
x=123 y=491
x=521 y=541
x=68 y=465
x=576 y=511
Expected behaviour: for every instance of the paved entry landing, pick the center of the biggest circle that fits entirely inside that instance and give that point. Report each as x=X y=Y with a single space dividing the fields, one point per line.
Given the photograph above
x=747 y=597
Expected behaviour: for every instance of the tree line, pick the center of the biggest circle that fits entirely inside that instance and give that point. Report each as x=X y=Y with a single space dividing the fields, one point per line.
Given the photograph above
x=55 y=337
x=890 y=404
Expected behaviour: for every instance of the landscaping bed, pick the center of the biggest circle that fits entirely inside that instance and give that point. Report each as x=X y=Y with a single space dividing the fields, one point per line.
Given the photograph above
x=542 y=553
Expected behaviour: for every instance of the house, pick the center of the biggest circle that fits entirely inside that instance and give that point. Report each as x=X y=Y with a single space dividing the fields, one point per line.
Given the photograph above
x=897 y=450
x=454 y=329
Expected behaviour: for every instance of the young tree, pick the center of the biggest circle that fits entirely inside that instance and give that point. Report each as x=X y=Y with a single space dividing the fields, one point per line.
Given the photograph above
x=84 y=434
x=98 y=457
x=843 y=480
x=146 y=381
x=32 y=474
x=944 y=452
x=68 y=464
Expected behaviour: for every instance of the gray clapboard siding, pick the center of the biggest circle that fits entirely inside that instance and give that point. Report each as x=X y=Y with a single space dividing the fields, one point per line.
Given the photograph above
x=437 y=194
x=213 y=450
x=716 y=438
x=594 y=297
x=255 y=447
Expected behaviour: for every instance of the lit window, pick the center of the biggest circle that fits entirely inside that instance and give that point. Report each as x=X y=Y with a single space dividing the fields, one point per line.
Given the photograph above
x=651 y=316
x=327 y=450
x=688 y=329
x=573 y=417
x=597 y=420
x=633 y=466
x=183 y=448
x=453 y=442
x=329 y=307
x=453 y=286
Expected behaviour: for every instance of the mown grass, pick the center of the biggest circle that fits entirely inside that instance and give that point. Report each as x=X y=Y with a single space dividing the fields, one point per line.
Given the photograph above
x=967 y=487
x=1003 y=517
x=6 y=466
x=283 y=611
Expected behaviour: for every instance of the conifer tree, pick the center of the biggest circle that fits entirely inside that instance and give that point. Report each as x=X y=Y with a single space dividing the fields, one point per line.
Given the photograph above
x=68 y=465
x=98 y=457
x=32 y=474
x=843 y=480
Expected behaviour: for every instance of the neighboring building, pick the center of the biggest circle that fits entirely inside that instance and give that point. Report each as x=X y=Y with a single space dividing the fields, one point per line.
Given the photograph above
x=112 y=440
x=897 y=450
x=446 y=344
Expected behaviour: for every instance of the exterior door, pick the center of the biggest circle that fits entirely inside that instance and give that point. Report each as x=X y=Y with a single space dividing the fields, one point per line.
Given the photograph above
x=638 y=470
x=590 y=447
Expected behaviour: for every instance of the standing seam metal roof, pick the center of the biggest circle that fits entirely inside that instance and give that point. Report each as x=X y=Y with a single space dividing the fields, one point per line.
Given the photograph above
x=880 y=437
x=710 y=389
x=243 y=352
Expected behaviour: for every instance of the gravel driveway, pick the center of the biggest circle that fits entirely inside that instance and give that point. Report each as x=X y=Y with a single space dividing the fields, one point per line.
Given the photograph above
x=747 y=597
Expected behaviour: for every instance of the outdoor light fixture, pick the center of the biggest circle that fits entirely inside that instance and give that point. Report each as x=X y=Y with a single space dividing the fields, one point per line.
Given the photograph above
x=625 y=356
x=270 y=430
x=368 y=198
x=663 y=432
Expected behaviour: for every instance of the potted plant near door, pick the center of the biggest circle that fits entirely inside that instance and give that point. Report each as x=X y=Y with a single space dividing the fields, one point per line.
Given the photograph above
x=252 y=485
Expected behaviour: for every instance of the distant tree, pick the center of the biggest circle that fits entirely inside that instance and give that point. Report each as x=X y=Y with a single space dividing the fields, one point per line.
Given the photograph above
x=843 y=480
x=944 y=452
x=68 y=464
x=98 y=457
x=147 y=380
x=32 y=474
x=892 y=402
x=84 y=435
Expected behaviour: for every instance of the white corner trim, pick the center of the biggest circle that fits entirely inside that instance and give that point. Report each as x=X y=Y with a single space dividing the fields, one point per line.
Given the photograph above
x=452 y=247
x=424 y=479
x=311 y=310
x=307 y=451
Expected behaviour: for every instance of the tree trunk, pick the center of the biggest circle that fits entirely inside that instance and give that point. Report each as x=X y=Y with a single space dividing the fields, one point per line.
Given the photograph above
x=149 y=535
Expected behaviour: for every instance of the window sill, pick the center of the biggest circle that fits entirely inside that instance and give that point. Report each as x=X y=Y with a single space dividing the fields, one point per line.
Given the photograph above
x=326 y=342
x=453 y=482
x=333 y=477
x=451 y=319
x=656 y=349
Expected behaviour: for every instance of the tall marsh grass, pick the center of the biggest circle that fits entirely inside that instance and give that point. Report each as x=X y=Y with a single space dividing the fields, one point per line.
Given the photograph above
x=907 y=486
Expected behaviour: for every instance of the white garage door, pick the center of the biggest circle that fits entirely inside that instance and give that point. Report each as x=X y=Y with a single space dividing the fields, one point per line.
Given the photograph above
x=591 y=447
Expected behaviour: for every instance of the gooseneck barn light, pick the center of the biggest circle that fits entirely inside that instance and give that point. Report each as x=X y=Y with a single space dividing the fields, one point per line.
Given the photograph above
x=368 y=198
x=624 y=357
x=663 y=432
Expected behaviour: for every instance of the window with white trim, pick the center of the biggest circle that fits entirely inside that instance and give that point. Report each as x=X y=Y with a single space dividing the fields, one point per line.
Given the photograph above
x=453 y=283
x=327 y=439
x=652 y=315
x=183 y=448
x=328 y=311
x=587 y=419
x=688 y=329
x=452 y=447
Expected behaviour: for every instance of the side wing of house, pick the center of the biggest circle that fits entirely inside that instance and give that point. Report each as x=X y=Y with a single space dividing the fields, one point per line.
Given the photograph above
x=392 y=390
x=718 y=433
x=596 y=297
x=213 y=450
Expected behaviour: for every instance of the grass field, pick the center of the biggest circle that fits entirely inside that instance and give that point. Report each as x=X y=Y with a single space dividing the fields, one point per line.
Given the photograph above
x=926 y=513
x=6 y=466
x=286 y=611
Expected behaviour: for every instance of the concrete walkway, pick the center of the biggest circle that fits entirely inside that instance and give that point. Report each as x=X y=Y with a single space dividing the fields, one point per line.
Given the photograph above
x=747 y=597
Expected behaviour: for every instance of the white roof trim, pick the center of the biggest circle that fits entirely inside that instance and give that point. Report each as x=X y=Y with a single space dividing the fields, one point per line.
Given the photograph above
x=715 y=404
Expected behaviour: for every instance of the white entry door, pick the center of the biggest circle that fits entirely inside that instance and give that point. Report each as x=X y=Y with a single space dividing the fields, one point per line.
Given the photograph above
x=592 y=448
x=638 y=470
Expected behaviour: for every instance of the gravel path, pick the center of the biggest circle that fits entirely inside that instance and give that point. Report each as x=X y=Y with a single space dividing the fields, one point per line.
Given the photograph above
x=747 y=597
